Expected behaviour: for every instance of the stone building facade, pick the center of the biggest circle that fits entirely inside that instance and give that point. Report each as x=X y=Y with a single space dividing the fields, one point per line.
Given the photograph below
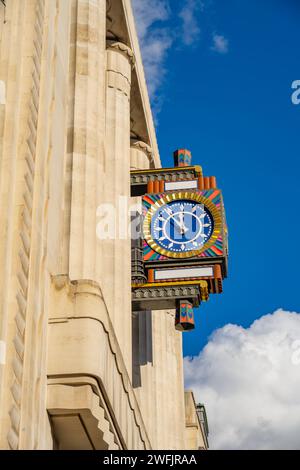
x=77 y=369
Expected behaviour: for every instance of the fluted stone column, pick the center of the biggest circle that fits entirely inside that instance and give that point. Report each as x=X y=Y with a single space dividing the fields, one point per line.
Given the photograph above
x=86 y=134
x=116 y=252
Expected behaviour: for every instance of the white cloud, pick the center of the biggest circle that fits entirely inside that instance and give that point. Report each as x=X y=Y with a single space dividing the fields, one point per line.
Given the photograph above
x=249 y=381
x=155 y=39
x=154 y=54
x=220 y=44
x=190 y=27
x=159 y=30
x=148 y=12
x=157 y=34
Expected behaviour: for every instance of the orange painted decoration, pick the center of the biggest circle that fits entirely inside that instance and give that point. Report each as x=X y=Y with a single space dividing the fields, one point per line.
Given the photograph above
x=150 y=187
x=217 y=271
x=148 y=255
x=156 y=186
x=216 y=250
x=148 y=199
x=214 y=194
x=200 y=182
x=206 y=182
x=161 y=186
x=213 y=182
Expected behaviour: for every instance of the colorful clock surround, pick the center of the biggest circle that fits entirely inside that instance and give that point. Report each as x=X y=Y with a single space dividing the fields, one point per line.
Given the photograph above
x=201 y=215
x=183 y=249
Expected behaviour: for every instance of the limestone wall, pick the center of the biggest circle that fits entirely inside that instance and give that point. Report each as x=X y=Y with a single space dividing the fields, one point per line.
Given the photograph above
x=70 y=100
x=196 y=432
x=27 y=69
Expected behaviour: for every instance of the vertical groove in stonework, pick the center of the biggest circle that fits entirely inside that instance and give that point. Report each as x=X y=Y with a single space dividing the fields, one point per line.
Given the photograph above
x=140 y=154
x=87 y=130
x=25 y=235
x=80 y=139
x=117 y=192
x=35 y=406
x=65 y=251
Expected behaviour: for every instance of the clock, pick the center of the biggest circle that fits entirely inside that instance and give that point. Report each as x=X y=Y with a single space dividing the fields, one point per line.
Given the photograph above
x=182 y=224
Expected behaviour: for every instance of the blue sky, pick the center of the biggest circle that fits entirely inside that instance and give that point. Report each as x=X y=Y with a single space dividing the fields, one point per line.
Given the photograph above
x=220 y=80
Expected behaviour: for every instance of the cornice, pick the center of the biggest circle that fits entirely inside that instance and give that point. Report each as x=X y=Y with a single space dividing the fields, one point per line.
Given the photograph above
x=139 y=71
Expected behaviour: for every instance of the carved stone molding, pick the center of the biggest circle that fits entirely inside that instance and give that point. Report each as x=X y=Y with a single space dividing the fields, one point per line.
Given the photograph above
x=21 y=320
x=167 y=174
x=142 y=146
x=122 y=48
x=166 y=297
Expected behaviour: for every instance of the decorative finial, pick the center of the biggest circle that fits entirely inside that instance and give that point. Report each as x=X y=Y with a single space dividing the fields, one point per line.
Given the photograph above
x=184 y=318
x=182 y=157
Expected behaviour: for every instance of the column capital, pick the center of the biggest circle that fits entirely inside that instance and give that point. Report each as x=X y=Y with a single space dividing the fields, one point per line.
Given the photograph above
x=140 y=145
x=141 y=155
x=122 y=49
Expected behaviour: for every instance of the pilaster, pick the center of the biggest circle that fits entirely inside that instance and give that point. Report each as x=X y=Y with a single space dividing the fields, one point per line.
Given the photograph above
x=116 y=251
x=85 y=138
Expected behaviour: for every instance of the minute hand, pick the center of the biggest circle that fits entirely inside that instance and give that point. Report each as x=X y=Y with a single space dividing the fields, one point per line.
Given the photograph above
x=180 y=223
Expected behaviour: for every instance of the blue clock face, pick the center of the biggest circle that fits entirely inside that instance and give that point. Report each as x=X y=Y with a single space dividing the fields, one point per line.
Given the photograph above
x=182 y=226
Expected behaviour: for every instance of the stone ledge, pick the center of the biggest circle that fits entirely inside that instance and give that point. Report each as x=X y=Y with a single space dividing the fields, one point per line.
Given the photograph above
x=78 y=420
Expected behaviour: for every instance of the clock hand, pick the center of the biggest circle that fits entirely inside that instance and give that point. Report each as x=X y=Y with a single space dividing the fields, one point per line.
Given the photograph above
x=178 y=225
x=184 y=229
x=177 y=222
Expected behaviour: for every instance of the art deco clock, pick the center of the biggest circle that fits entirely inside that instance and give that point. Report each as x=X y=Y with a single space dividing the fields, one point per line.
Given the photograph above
x=183 y=251
x=182 y=224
